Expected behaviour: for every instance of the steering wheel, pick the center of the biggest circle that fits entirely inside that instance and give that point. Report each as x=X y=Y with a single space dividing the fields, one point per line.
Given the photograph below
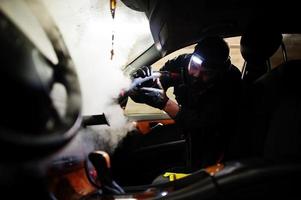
x=58 y=130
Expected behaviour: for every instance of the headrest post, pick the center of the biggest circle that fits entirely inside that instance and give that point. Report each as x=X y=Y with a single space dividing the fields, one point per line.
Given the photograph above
x=268 y=63
x=284 y=52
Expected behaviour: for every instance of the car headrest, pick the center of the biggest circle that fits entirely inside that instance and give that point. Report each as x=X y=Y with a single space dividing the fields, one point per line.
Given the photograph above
x=259 y=42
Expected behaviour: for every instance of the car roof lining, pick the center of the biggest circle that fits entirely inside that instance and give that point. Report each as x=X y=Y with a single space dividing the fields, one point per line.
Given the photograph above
x=175 y=24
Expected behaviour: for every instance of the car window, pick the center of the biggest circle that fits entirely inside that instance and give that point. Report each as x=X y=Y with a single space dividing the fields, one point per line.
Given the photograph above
x=133 y=108
x=88 y=29
x=292 y=43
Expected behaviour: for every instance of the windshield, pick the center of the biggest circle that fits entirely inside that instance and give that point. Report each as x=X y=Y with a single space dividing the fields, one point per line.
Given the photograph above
x=87 y=27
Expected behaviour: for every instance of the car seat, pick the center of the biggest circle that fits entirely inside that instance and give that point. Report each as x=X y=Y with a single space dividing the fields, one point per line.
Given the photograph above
x=279 y=111
x=272 y=167
x=271 y=122
x=258 y=43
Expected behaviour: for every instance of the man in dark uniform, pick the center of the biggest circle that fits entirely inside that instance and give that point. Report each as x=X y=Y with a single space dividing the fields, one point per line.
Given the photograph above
x=207 y=90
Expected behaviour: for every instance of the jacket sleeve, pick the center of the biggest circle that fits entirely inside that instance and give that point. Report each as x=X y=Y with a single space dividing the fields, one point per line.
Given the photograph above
x=193 y=119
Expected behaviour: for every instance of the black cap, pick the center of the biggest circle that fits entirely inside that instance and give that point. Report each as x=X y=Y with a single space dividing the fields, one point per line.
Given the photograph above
x=214 y=51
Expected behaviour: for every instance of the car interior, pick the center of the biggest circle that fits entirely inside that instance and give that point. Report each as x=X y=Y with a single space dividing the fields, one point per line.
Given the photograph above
x=153 y=160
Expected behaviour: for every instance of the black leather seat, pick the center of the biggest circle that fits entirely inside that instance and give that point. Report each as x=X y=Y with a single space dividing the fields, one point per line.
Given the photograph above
x=273 y=136
x=272 y=129
x=278 y=112
x=258 y=43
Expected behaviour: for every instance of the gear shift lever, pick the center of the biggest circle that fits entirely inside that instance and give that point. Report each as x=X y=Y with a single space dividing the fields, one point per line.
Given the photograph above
x=102 y=164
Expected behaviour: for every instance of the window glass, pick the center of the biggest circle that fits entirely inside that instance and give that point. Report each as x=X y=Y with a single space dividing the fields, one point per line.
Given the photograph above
x=236 y=58
x=292 y=43
x=91 y=34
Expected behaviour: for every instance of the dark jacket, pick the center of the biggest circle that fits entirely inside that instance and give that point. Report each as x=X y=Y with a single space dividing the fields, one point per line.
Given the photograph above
x=209 y=115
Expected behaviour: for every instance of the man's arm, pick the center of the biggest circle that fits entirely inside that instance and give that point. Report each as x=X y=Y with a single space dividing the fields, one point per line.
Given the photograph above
x=156 y=97
x=191 y=119
x=171 y=108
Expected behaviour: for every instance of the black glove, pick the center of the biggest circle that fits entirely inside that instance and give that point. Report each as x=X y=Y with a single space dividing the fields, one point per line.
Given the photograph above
x=169 y=79
x=152 y=96
x=142 y=72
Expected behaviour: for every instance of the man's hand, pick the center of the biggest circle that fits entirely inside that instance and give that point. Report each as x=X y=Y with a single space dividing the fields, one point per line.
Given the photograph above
x=169 y=79
x=142 y=72
x=153 y=96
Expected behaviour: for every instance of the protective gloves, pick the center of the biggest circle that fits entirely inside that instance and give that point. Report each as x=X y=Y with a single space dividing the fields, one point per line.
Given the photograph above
x=155 y=97
x=142 y=72
x=169 y=79
x=150 y=92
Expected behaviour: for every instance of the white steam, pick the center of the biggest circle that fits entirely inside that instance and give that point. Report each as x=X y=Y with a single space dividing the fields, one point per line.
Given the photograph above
x=86 y=26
